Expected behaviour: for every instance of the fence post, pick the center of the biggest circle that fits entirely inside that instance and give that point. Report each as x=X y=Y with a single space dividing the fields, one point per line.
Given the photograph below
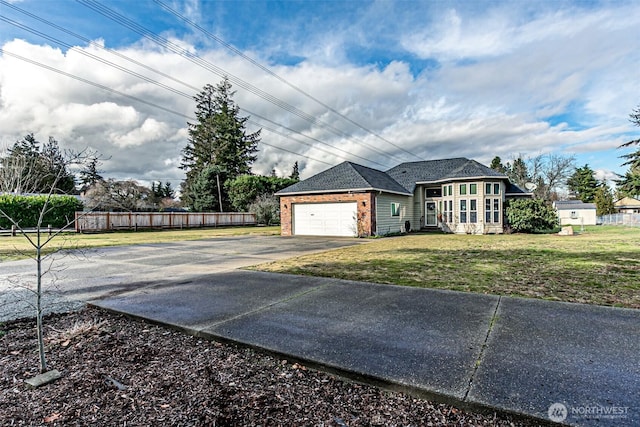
x=13 y=230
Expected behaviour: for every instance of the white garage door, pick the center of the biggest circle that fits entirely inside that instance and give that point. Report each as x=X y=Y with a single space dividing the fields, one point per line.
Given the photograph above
x=325 y=219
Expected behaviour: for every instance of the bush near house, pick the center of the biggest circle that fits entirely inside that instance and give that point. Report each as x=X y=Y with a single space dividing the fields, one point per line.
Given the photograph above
x=25 y=210
x=531 y=216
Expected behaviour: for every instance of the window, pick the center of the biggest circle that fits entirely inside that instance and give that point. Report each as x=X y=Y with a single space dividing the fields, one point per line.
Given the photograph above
x=492 y=211
x=450 y=209
x=463 y=211
x=496 y=188
x=473 y=188
x=487 y=209
x=444 y=190
x=463 y=189
x=395 y=209
x=473 y=211
x=574 y=215
x=433 y=192
x=445 y=212
x=487 y=188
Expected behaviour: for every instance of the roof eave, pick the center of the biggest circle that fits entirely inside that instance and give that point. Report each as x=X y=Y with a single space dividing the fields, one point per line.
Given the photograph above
x=344 y=190
x=466 y=178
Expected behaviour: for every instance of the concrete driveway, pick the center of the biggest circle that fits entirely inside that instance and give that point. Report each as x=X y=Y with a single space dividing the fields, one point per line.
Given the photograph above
x=79 y=276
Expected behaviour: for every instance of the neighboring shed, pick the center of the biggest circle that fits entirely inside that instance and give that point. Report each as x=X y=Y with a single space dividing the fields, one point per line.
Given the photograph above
x=575 y=212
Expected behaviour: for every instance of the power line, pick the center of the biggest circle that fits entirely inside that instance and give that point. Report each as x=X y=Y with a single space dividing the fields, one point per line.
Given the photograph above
x=155 y=82
x=128 y=23
x=278 y=77
x=114 y=91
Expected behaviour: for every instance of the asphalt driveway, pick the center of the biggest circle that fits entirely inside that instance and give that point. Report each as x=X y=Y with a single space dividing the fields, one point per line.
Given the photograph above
x=79 y=276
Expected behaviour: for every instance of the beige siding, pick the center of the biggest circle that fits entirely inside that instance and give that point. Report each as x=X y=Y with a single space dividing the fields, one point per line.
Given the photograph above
x=479 y=199
x=385 y=222
x=577 y=217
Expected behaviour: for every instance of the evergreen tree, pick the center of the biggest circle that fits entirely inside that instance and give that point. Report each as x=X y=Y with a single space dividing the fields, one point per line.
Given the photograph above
x=518 y=172
x=583 y=184
x=217 y=139
x=629 y=183
x=295 y=173
x=41 y=167
x=54 y=170
x=90 y=175
x=603 y=199
x=168 y=191
x=496 y=164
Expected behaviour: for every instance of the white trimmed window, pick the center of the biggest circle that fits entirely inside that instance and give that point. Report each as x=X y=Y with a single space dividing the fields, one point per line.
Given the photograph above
x=492 y=188
x=473 y=210
x=395 y=209
x=463 y=211
x=492 y=211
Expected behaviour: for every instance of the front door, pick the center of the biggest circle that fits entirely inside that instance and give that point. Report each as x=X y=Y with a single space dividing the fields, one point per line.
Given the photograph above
x=431 y=217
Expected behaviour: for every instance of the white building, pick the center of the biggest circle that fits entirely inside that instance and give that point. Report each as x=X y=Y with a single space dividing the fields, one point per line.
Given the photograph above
x=575 y=212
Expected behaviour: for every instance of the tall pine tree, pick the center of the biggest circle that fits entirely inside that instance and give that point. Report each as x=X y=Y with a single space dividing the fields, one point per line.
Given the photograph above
x=629 y=184
x=218 y=142
x=583 y=184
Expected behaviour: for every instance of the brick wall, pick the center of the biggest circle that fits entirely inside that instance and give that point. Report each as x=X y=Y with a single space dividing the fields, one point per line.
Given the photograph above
x=366 y=209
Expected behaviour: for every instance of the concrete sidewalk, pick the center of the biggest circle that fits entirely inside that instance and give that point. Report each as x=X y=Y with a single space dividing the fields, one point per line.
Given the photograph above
x=566 y=362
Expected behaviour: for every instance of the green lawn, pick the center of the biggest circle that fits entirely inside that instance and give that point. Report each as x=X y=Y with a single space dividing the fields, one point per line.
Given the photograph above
x=12 y=248
x=599 y=266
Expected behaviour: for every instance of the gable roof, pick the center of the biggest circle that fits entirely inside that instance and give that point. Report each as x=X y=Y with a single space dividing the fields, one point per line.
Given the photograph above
x=346 y=176
x=433 y=171
x=573 y=204
x=627 y=202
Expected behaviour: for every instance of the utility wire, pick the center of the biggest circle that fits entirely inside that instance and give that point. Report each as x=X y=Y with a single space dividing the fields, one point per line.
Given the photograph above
x=176 y=91
x=126 y=22
x=278 y=77
x=151 y=104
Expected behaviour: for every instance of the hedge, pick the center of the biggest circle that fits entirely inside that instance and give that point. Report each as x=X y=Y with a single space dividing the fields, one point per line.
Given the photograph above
x=25 y=210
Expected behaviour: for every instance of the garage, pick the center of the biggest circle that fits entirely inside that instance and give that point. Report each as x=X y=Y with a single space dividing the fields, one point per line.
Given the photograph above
x=325 y=219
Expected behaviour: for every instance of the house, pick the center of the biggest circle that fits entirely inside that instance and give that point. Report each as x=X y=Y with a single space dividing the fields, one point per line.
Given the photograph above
x=456 y=195
x=627 y=205
x=575 y=212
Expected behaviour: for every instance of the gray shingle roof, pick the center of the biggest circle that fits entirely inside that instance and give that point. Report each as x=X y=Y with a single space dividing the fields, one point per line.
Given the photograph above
x=573 y=204
x=401 y=179
x=346 y=176
x=408 y=174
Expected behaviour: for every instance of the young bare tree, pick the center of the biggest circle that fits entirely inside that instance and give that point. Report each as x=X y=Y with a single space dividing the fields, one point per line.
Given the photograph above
x=16 y=179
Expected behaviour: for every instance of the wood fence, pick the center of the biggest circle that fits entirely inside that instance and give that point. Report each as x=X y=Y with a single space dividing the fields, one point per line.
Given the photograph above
x=108 y=221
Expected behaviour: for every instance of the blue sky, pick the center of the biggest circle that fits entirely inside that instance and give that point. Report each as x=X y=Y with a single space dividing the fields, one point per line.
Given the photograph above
x=423 y=79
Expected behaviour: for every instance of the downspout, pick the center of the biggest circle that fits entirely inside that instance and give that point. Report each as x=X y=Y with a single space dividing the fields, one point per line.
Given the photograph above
x=374 y=213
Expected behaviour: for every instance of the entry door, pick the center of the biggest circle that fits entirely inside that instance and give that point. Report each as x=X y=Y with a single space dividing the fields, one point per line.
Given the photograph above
x=431 y=217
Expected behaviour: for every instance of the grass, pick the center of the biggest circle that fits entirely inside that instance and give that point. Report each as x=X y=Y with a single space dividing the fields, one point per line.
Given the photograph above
x=14 y=248
x=598 y=266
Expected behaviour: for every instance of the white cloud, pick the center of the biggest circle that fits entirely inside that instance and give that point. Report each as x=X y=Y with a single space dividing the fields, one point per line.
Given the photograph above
x=499 y=76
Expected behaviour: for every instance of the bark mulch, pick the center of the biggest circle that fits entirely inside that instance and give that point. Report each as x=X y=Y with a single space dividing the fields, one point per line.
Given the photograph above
x=122 y=372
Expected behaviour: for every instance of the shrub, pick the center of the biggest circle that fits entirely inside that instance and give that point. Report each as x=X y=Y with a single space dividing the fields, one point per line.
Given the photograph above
x=531 y=216
x=25 y=210
x=267 y=209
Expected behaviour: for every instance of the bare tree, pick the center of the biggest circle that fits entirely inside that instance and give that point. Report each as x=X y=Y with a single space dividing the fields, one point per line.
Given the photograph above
x=13 y=179
x=16 y=173
x=112 y=195
x=550 y=173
